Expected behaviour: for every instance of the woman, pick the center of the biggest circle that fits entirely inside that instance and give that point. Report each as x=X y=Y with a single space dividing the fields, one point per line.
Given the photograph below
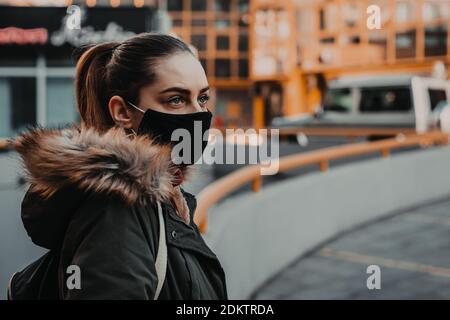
x=96 y=190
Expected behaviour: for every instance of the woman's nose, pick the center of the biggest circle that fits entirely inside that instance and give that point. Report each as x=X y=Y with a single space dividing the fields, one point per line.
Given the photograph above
x=197 y=107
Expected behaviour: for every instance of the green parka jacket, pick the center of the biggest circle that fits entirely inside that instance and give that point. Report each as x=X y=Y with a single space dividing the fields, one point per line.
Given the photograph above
x=93 y=200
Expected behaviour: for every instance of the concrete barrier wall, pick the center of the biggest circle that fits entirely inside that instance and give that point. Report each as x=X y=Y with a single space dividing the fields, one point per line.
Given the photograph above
x=257 y=234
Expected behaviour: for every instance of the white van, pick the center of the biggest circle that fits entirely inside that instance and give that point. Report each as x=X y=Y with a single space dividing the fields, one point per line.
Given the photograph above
x=398 y=101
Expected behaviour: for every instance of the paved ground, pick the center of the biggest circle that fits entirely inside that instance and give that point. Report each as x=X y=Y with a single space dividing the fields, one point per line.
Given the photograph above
x=412 y=250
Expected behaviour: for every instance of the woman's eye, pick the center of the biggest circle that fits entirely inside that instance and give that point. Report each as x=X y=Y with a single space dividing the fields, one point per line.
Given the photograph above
x=204 y=99
x=176 y=101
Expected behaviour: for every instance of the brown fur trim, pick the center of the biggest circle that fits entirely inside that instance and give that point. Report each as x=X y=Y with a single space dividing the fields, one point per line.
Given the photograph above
x=137 y=170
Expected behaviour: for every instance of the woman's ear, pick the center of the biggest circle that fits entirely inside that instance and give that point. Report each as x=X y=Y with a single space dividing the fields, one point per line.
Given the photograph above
x=120 y=112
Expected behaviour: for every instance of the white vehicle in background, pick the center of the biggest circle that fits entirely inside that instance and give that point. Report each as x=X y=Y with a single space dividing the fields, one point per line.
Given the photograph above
x=390 y=101
x=431 y=98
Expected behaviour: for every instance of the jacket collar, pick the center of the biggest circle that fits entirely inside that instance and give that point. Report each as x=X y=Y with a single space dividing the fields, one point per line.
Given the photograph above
x=136 y=170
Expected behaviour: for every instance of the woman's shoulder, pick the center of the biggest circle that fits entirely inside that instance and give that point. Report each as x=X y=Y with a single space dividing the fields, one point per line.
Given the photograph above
x=47 y=219
x=98 y=207
x=107 y=218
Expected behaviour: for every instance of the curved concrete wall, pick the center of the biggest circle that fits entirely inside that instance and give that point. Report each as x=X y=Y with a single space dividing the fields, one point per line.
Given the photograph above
x=258 y=234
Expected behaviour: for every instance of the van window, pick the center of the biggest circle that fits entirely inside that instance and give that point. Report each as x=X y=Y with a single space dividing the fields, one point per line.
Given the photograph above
x=339 y=100
x=438 y=98
x=385 y=99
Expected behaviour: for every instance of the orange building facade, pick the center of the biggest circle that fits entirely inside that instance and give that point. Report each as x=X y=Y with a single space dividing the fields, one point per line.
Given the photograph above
x=269 y=58
x=219 y=30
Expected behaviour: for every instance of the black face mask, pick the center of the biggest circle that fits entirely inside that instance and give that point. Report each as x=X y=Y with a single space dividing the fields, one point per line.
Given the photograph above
x=161 y=126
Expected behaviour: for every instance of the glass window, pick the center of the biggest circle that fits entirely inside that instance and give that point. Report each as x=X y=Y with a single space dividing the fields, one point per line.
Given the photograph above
x=199 y=5
x=385 y=99
x=223 y=68
x=438 y=98
x=59 y=57
x=199 y=41
x=327 y=40
x=436 y=9
x=177 y=22
x=243 y=42
x=5 y=109
x=223 y=5
x=198 y=22
x=223 y=43
x=405 y=44
x=355 y=39
x=322 y=19
x=175 y=5
x=15 y=56
x=405 y=11
x=339 y=100
x=327 y=17
x=17 y=104
x=243 y=68
x=350 y=13
x=436 y=41
x=222 y=24
x=61 y=107
x=243 y=6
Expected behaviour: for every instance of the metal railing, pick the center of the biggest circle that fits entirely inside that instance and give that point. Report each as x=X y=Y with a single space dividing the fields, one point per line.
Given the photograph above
x=217 y=190
x=349 y=132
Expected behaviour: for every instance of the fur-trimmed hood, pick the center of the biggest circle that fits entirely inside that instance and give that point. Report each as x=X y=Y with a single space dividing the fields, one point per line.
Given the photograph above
x=110 y=163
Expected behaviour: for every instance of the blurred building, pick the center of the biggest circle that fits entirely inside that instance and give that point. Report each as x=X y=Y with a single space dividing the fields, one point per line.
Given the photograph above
x=37 y=62
x=301 y=44
x=37 y=67
x=265 y=58
x=219 y=29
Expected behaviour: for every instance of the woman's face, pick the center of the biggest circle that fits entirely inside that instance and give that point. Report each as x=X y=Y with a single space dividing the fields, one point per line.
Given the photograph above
x=181 y=87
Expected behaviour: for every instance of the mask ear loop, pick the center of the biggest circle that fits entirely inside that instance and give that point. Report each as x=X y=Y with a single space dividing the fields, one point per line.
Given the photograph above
x=133 y=133
x=134 y=106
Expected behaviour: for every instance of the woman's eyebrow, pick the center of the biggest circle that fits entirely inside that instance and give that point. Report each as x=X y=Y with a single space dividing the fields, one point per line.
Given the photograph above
x=204 y=89
x=182 y=90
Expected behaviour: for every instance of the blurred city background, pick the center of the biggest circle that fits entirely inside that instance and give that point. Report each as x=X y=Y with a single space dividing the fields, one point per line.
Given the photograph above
x=359 y=91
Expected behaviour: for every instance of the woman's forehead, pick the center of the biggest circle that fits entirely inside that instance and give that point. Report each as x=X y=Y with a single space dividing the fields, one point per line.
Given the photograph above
x=181 y=70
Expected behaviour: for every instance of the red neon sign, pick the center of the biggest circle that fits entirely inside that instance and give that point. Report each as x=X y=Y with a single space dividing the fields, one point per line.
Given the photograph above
x=19 y=36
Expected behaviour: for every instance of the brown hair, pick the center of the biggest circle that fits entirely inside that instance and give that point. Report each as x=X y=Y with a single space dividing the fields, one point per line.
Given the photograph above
x=118 y=68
